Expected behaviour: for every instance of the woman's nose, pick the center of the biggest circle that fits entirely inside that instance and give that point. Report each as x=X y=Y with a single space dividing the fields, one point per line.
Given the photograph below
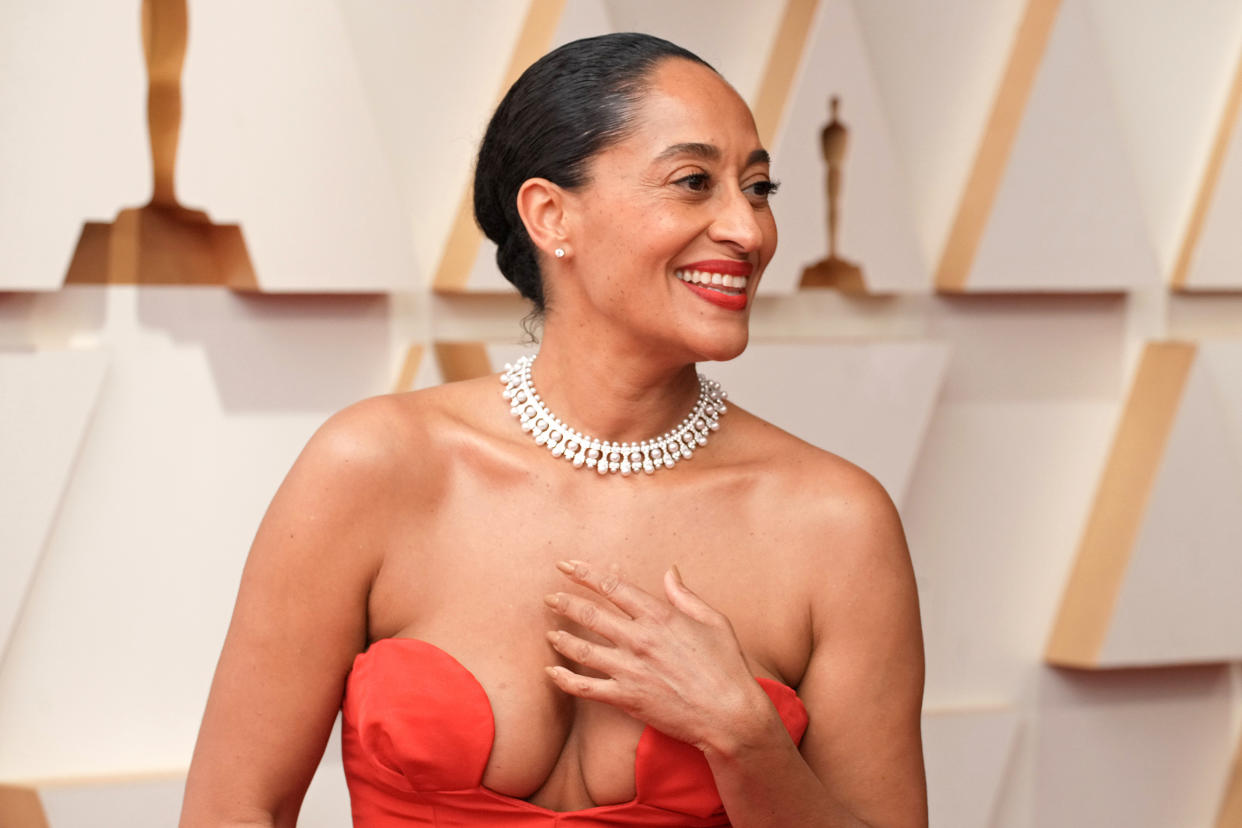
x=736 y=222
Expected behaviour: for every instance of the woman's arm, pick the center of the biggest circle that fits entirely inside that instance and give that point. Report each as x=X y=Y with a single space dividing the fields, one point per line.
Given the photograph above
x=861 y=760
x=299 y=620
x=680 y=669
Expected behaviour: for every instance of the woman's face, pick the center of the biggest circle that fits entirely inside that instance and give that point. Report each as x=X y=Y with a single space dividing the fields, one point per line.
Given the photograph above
x=672 y=230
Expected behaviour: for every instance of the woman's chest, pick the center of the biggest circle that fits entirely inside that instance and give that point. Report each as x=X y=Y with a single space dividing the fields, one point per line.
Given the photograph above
x=470 y=576
x=482 y=562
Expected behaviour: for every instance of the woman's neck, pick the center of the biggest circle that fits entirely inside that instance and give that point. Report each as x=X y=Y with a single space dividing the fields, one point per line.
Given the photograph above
x=621 y=394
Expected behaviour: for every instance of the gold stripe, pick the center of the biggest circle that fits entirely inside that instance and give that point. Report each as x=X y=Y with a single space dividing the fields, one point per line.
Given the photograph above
x=783 y=61
x=1230 y=815
x=462 y=360
x=996 y=144
x=1207 y=186
x=462 y=247
x=1090 y=597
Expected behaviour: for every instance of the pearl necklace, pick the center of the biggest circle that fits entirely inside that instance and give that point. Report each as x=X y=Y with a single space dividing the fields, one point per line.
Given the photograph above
x=605 y=456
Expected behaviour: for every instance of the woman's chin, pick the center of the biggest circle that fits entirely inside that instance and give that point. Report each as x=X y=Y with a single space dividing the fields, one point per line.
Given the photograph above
x=722 y=348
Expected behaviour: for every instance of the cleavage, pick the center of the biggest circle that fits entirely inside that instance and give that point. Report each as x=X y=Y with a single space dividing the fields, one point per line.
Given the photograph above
x=595 y=765
x=550 y=749
x=556 y=751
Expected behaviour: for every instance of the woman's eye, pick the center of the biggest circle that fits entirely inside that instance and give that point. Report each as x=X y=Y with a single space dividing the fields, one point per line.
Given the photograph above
x=695 y=182
x=764 y=188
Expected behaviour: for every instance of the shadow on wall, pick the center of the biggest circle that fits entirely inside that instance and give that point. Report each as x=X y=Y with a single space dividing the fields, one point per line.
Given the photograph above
x=1145 y=726
x=1005 y=349
x=280 y=353
x=50 y=320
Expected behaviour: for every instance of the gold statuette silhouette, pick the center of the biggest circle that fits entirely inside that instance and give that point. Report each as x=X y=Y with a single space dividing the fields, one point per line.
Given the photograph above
x=162 y=242
x=834 y=271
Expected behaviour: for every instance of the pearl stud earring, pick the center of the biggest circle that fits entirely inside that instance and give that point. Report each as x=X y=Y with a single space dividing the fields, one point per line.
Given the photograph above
x=560 y=252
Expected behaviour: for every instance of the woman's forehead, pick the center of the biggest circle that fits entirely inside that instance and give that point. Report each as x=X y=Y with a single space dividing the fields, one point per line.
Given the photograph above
x=686 y=103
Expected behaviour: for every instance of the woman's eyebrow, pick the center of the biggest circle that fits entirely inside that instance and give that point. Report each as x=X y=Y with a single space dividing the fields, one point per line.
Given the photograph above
x=710 y=152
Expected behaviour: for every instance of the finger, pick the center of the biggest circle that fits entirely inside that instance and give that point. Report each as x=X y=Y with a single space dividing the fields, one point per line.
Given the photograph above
x=585 y=687
x=598 y=657
x=589 y=614
x=609 y=584
x=688 y=601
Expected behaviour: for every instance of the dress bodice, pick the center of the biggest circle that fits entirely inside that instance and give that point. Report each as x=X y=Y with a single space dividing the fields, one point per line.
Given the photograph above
x=417 y=734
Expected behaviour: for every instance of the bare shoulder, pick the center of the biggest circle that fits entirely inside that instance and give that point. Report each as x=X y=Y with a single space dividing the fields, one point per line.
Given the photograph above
x=352 y=469
x=390 y=432
x=839 y=508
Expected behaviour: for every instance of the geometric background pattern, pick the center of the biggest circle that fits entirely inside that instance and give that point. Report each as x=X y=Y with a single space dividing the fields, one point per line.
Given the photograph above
x=1043 y=370
x=1158 y=572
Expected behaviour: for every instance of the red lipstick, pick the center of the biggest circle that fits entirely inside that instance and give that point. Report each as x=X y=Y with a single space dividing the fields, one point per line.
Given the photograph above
x=729 y=301
x=722 y=297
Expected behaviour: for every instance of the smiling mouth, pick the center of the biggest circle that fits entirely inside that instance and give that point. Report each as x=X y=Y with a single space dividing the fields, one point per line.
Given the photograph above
x=721 y=282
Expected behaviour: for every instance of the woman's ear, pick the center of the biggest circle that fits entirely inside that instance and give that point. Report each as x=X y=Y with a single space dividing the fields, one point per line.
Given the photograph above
x=541 y=205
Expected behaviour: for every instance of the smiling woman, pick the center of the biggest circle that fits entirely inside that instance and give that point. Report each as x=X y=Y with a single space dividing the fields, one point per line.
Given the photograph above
x=512 y=642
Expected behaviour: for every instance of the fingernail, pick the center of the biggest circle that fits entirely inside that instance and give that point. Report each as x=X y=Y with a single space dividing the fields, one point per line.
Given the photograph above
x=552 y=600
x=567 y=567
x=551 y=671
x=551 y=635
x=677 y=574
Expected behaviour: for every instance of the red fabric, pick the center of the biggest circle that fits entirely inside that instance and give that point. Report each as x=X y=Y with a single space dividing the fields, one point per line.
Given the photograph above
x=416 y=736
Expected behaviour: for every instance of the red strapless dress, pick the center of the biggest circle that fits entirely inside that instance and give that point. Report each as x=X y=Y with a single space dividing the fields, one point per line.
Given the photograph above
x=417 y=732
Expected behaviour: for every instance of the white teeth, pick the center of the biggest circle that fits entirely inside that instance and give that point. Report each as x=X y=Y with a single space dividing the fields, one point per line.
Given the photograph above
x=715 y=279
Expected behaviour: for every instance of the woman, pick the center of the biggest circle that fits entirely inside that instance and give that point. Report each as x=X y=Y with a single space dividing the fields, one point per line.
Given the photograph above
x=505 y=625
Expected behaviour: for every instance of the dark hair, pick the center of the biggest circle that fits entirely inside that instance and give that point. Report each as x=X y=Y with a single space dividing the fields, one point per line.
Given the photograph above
x=569 y=105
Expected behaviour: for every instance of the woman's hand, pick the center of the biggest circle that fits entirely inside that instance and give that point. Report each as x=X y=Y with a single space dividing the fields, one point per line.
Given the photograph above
x=677 y=666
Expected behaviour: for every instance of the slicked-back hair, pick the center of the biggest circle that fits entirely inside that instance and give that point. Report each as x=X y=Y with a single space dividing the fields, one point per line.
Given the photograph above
x=570 y=104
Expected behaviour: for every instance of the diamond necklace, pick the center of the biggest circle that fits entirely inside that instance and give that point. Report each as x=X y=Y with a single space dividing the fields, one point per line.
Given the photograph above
x=604 y=456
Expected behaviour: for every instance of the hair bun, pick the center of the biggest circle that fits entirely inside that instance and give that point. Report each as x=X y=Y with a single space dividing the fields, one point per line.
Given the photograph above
x=516 y=260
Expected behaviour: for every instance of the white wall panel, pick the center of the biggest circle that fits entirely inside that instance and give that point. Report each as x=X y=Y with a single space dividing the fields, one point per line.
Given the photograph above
x=1128 y=748
x=141 y=568
x=279 y=135
x=1067 y=215
x=870 y=403
x=73 y=139
x=1179 y=598
x=46 y=400
x=430 y=123
x=1170 y=65
x=967 y=754
x=877 y=229
x=937 y=67
x=141 y=802
x=734 y=36
x=992 y=519
x=154 y=801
